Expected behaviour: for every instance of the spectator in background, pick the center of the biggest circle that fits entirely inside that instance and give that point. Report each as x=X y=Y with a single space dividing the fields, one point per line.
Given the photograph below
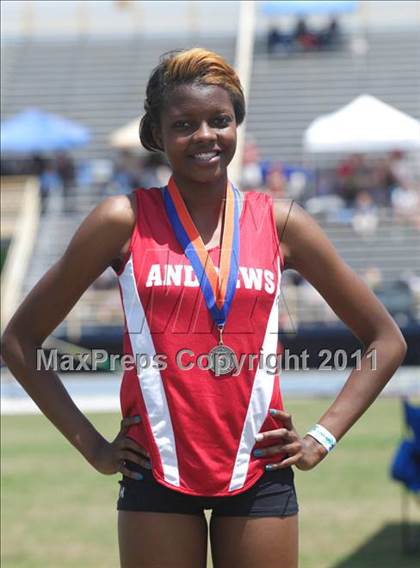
x=128 y=169
x=39 y=164
x=273 y=40
x=383 y=182
x=278 y=41
x=132 y=171
x=155 y=171
x=65 y=170
x=373 y=277
x=413 y=282
x=122 y=176
x=402 y=169
x=398 y=296
x=406 y=205
x=67 y=174
x=304 y=37
x=276 y=182
x=329 y=36
x=251 y=172
x=353 y=175
x=49 y=183
x=365 y=217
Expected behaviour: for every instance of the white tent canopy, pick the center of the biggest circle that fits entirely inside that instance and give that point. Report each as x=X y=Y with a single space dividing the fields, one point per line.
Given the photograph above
x=365 y=125
x=127 y=137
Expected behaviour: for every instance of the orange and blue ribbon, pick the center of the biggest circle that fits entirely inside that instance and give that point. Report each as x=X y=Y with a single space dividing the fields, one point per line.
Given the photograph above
x=218 y=288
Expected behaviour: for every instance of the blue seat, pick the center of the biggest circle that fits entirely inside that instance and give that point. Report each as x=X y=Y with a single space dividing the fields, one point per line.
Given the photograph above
x=406 y=463
x=405 y=467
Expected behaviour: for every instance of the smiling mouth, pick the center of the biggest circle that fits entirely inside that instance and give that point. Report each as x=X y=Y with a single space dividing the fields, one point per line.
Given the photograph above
x=206 y=157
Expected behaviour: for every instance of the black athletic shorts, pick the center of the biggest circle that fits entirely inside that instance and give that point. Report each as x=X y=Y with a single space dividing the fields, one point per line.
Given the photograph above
x=273 y=495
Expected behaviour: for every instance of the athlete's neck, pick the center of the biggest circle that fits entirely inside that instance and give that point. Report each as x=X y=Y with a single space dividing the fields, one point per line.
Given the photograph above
x=202 y=197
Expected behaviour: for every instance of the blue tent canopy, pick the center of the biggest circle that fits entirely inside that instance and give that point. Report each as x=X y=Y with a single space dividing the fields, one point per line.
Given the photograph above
x=304 y=7
x=37 y=131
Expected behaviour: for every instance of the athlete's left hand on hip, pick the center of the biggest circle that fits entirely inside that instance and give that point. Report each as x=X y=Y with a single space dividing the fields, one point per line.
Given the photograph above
x=305 y=453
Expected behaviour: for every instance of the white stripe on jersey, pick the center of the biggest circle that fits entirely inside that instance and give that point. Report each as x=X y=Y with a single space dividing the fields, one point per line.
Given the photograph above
x=262 y=392
x=150 y=379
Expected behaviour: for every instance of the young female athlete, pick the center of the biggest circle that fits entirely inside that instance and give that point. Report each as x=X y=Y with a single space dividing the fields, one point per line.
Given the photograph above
x=194 y=416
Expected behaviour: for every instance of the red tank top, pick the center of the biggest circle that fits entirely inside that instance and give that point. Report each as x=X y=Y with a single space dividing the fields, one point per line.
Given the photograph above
x=199 y=428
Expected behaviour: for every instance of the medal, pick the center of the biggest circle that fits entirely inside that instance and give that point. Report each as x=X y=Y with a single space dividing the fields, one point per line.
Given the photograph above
x=222 y=359
x=218 y=288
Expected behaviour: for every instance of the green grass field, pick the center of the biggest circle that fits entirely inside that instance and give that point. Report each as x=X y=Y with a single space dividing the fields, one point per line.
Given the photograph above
x=59 y=512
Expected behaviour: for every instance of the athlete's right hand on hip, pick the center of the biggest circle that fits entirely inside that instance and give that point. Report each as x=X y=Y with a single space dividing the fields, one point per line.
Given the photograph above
x=111 y=456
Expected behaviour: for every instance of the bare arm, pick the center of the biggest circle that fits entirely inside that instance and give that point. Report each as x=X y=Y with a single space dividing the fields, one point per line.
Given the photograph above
x=100 y=241
x=307 y=249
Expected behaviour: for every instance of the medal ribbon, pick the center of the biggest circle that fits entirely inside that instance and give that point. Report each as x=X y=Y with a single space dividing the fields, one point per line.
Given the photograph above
x=218 y=288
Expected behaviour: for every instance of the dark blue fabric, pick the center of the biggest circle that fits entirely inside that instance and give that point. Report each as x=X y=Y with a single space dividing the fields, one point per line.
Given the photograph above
x=412 y=418
x=406 y=463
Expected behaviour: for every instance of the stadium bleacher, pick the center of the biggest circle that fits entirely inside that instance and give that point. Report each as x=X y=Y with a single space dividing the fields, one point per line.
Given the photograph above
x=287 y=93
x=100 y=83
x=393 y=248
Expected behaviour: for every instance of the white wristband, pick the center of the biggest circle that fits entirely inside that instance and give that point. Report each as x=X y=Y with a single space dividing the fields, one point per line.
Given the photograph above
x=323 y=436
